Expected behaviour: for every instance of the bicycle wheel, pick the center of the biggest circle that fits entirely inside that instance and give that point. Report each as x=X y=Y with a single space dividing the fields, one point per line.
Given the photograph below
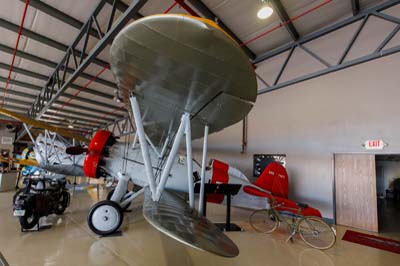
x=264 y=221
x=316 y=233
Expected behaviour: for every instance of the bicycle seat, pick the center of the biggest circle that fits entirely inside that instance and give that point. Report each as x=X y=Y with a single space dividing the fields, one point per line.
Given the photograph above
x=302 y=205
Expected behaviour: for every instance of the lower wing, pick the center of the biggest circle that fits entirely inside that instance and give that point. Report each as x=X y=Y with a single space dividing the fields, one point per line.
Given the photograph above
x=173 y=217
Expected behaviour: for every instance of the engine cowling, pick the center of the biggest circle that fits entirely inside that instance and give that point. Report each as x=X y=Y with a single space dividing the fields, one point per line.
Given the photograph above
x=97 y=149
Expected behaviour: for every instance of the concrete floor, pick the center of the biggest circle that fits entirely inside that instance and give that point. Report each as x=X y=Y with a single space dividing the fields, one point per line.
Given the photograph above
x=70 y=242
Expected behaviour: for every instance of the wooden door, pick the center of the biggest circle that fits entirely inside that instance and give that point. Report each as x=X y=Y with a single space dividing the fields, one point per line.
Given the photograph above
x=355 y=186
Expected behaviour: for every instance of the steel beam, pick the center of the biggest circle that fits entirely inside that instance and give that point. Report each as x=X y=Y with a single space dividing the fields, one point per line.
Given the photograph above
x=89 y=101
x=43 y=39
x=280 y=10
x=386 y=17
x=51 y=64
x=23 y=72
x=21 y=84
x=342 y=64
x=388 y=39
x=206 y=12
x=284 y=66
x=53 y=12
x=121 y=6
x=353 y=39
x=102 y=105
x=20 y=94
x=67 y=118
x=54 y=89
x=16 y=108
x=97 y=116
x=327 y=30
x=28 y=56
x=16 y=101
x=355 y=6
x=64 y=122
x=77 y=116
x=317 y=57
x=43 y=77
x=88 y=109
x=76 y=129
x=74 y=86
x=118 y=131
x=374 y=55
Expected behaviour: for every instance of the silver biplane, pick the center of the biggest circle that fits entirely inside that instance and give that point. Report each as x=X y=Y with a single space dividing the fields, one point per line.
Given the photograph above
x=181 y=78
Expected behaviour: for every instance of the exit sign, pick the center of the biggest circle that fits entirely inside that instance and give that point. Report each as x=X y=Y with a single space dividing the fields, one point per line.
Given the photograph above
x=374 y=144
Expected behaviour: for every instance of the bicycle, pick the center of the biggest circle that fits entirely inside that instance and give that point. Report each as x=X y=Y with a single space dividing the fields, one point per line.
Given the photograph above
x=313 y=230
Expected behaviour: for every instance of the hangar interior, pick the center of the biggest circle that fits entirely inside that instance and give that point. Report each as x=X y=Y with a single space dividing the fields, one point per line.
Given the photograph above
x=326 y=79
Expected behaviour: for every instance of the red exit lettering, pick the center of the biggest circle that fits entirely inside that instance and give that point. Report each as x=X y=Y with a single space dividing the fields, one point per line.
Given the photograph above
x=374 y=143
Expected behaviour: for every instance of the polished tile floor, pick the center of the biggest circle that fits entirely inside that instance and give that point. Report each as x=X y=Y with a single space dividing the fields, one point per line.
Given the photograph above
x=70 y=242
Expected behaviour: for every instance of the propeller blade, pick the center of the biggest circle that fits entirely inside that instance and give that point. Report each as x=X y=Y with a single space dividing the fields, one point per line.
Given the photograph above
x=76 y=150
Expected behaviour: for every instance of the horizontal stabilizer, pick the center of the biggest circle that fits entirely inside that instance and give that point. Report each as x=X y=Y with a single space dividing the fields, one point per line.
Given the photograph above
x=173 y=217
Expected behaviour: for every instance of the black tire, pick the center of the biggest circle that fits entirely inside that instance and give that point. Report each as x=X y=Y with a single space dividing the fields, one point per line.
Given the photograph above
x=30 y=219
x=109 y=214
x=18 y=192
x=109 y=195
x=63 y=203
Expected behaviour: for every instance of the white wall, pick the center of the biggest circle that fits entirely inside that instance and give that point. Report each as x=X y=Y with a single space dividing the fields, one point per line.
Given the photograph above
x=312 y=120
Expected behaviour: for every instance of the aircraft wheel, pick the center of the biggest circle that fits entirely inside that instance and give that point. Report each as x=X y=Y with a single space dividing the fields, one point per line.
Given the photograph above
x=105 y=217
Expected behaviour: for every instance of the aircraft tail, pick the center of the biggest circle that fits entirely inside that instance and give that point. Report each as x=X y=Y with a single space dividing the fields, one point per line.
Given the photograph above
x=219 y=176
x=275 y=179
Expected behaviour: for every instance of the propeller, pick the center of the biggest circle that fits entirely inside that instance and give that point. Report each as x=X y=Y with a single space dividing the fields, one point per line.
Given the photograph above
x=76 y=150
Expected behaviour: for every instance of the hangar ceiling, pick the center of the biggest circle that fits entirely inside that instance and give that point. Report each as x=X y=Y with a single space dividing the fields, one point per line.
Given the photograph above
x=61 y=74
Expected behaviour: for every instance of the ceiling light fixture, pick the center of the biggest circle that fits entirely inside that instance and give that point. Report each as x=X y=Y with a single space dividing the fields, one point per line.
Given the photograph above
x=265 y=10
x=71 y=123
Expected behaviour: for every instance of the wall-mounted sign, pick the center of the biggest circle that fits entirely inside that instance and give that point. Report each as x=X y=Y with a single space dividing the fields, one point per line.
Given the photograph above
x=374 y=144
x=6 y=140
x=262 y=160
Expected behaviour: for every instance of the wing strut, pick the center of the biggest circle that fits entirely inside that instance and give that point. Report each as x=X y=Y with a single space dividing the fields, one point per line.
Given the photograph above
x=184 y=129
x=203 y=170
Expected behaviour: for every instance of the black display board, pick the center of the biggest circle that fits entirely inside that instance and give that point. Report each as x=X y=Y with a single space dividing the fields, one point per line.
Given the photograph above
x=260 y=161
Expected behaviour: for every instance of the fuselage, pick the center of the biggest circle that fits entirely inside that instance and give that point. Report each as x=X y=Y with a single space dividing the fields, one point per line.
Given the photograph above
x=130 y=162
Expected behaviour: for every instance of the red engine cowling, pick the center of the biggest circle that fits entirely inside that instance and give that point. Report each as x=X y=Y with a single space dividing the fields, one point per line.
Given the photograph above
x=96 y=150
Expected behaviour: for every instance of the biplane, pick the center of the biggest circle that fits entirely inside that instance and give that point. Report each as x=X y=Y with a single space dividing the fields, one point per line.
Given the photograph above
x=181 y=78
x=49 y=147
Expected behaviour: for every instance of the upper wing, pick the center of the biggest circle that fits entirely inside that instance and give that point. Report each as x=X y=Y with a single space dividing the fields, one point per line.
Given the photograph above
x=42 y=125
x=179 y=63
x=172 y=216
